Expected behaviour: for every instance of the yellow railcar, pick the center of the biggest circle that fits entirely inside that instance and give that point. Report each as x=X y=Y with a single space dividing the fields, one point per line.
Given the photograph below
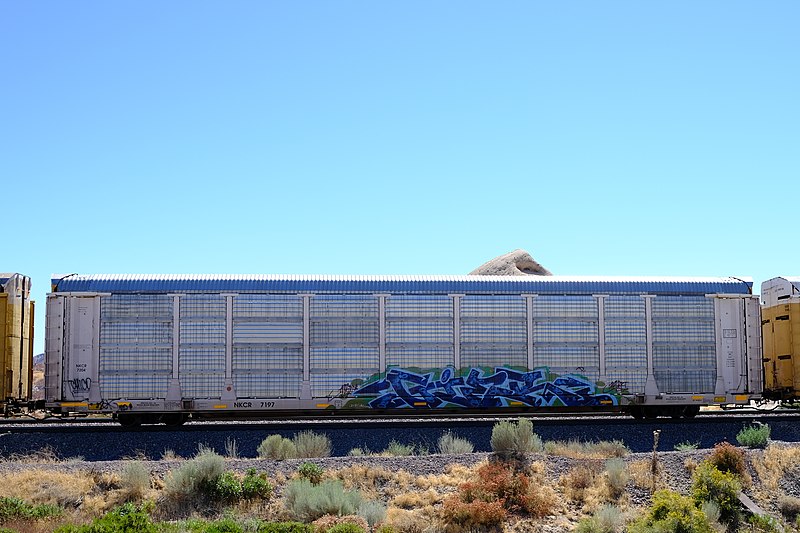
x=16 y=339
x=780 y=328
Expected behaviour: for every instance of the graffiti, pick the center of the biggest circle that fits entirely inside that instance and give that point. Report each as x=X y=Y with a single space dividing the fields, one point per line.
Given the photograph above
x=344 y=391
x=79 y=385
x=618 y=386
x=505 y=387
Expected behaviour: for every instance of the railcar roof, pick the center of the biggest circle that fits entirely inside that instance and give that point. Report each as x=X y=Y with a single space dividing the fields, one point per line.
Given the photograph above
x=396 y=284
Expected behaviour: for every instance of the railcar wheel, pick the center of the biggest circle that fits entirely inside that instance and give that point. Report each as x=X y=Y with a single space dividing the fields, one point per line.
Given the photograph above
x=691 y=411
x=174 y=419
x=637 y=413
x=128 y=420
x=651 y=412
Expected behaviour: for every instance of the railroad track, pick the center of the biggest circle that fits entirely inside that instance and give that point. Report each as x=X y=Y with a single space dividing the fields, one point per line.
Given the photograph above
x=105 y=440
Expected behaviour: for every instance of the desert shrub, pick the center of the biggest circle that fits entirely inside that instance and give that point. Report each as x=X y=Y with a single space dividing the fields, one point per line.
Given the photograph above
x=449 y=443
x=510 y=439
x=285 y=527
x=760 y=523
x=754 y=436
x=135 y=480
x=789 y=506
x=309 y=444
x=277 y=447
x=586 y=450
x=255 y=485
x=578 y=480
x=616 y=476
x=672 y=513
x=372 y=511
x=722 y=488
x=607 y=519
x=359 y=452
x=231 y=448
x=476 y=514
x=728 y=458
x=195 y=476
x=686 y=446
x=18 y=509
x=226 y=487
x=396 y=449
x=223 y=525
x=308 y=502
x=126 y=518
x=312 y=472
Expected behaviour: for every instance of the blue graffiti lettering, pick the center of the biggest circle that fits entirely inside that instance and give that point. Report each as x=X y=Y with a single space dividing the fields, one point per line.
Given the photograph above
x=402 y=388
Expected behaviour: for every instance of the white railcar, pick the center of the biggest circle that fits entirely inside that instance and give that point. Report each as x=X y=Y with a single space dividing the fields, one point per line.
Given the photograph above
x=162 y=348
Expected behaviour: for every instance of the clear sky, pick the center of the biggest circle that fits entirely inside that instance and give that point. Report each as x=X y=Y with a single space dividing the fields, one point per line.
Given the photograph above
x=414 y=137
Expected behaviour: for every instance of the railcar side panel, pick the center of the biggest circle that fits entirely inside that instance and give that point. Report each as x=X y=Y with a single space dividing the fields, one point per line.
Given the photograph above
x=225 y=352
x=16 y=338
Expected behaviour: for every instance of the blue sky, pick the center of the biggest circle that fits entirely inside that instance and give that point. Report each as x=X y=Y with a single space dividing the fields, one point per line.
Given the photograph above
x=606 y=138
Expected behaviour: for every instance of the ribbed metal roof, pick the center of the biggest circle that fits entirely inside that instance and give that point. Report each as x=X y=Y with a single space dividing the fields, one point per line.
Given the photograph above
x=272 y=283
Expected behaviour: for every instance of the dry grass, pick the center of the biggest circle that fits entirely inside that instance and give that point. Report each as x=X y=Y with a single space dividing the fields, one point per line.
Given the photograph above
x=775 y=462
x=586 y=450
x=416 y=500
x=642 y=475
x=581 y=481
x=38 y=486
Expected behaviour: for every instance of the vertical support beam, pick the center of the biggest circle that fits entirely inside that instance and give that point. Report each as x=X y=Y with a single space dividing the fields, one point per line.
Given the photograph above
x=174 y=393
x=94 y=390
x=228 y=394
x=305 y=385
x=529 y=327
x=650 y=386
x=457 y=331
x=382 y=332
x=601 y=335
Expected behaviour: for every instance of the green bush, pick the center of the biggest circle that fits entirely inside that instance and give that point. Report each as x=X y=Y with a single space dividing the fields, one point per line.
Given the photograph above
x=196 y=476
x=515 y=439
x=396 y=449
x=672 y=513
x=135 y=479
x=616 y=476
x=277 y=447
x=285 y=527
x=308 y=502
x=754 y=436
x=255 y=486
x=128 y=518
x=312 y=472
x=310 y=444
x=223 y=525
x=760 y=523
x=18 y=509
x=225 y=488
x=686 y=446
x=722 y=488
x=372 y=511
x=728 y=458
x=607 y=519
x=449 y=443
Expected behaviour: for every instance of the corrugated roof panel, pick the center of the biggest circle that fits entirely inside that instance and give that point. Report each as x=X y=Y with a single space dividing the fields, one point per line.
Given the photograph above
x=272 y=283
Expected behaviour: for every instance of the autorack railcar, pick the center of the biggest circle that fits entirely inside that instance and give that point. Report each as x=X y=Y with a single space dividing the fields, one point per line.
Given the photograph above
x=780 y=322
x=166 y=347
x=16 y=340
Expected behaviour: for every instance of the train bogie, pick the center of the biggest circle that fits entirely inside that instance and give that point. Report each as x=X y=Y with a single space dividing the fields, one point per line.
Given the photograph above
x=161 y=348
